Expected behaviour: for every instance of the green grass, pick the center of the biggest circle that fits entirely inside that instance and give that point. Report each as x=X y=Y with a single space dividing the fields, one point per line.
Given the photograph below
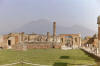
x=54 y=57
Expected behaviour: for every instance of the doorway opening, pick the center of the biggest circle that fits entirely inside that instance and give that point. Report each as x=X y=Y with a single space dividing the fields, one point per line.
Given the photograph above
x=68 y=41
x=9 y=42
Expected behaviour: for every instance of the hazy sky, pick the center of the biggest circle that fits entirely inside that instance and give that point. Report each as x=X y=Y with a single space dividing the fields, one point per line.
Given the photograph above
x=15 y=13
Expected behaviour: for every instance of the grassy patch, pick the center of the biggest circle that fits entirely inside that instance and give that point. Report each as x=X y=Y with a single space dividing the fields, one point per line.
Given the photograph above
x=54 y=57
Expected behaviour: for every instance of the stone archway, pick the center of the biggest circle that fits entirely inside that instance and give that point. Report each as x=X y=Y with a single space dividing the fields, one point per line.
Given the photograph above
x=73 y=40
x=68 y=40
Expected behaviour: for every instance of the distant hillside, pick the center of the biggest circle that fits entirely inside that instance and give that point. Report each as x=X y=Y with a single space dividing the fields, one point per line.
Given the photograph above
x=43 y=26
x=40 y=26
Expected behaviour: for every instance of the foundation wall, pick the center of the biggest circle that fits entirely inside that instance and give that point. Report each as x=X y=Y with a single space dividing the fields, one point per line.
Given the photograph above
x=35 y=45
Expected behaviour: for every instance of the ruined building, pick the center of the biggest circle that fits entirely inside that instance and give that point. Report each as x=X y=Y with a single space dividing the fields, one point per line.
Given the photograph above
x=30 y=41
x=90 y=41
x=93 y=41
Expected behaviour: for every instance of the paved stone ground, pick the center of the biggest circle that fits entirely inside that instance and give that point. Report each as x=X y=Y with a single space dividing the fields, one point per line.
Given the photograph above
x=91 y=51
x=65 y=48
x=10 y=64
x=23 y=63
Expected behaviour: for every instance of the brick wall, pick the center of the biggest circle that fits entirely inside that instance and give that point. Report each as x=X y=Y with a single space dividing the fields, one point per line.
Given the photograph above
x=36 y=45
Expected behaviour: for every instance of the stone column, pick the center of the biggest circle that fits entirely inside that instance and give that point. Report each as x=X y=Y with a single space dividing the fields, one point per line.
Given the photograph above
x=54 y=31
x=73 y=43
x=27 y=37
x=80 y=41
x=20 y=38
x=48 y=36
x=98 y=22
x=22 y=35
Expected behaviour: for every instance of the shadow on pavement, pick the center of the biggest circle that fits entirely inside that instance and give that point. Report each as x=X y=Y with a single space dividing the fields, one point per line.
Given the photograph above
x=60 y=64
x=64 y=57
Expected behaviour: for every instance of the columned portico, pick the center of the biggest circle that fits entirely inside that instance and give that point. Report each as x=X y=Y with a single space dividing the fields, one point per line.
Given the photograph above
x=72 y=40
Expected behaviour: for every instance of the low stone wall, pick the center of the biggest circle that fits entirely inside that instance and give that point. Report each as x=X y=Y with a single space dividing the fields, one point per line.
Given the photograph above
x=57 y=46
x=93 y=55
x=36 y=45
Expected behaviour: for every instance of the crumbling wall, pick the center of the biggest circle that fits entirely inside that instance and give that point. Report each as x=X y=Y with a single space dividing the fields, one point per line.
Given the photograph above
x=36 y=45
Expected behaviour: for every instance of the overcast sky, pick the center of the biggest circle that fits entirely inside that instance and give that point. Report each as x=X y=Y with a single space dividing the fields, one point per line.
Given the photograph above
x=15 y=13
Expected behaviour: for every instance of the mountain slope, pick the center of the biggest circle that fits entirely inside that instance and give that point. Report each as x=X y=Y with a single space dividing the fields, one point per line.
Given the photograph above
x=43 y=26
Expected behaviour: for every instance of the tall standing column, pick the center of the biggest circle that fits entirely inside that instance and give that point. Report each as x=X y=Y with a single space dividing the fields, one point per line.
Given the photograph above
x=80 y=41
x=73 y=42
x=20 y=38
x=98 y=22
x=27 y=37
x=22 y=35
x=48 y=36
x=54 y=31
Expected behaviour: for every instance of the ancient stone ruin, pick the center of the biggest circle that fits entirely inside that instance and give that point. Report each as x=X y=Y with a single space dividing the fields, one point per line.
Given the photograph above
x=22 y=41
